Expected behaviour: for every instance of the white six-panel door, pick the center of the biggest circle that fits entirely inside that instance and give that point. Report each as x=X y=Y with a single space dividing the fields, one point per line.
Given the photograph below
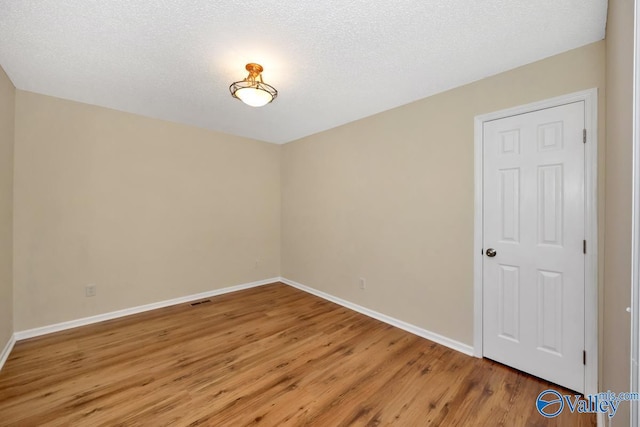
x=534 y=220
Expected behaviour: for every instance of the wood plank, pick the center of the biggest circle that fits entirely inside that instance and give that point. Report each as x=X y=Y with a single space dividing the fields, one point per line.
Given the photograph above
x=272 y=356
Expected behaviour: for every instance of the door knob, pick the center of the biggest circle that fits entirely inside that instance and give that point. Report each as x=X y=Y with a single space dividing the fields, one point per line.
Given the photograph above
x=491 y=252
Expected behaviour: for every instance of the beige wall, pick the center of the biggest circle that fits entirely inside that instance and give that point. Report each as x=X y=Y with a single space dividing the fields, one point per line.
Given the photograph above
x=145 y=209
x=7 y=97
x=617 y=285
x=390 y=197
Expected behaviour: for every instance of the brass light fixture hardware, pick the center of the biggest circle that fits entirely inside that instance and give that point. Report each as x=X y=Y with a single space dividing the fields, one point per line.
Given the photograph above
x=253 y=90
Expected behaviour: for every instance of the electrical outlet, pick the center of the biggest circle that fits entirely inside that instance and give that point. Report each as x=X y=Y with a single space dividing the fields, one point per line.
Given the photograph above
x=90 y=291
x=363 y=283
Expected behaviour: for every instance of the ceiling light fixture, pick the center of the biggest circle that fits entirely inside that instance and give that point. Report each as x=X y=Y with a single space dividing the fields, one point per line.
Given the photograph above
x=252 y=90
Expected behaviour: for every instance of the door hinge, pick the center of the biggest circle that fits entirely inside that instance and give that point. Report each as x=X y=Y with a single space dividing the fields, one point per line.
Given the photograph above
x=584 y=246
x=584 y=136
x=584 y=357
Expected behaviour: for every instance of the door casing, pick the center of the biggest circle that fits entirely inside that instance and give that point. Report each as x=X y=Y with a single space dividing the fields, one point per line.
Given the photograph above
x=590 y=98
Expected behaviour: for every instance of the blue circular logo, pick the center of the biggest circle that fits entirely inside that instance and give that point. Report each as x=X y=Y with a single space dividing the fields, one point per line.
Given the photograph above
x=549 y=403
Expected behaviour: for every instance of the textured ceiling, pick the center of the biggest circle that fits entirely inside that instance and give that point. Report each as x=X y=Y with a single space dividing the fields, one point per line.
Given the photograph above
x=332 y=61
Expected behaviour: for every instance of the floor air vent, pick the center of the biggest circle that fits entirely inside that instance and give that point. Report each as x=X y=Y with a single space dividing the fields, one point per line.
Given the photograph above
x=193 y=304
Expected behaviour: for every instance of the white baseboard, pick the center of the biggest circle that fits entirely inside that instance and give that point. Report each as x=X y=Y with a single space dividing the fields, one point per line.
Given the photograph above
x=432 y=336
x=36 y=332
x=7 y=350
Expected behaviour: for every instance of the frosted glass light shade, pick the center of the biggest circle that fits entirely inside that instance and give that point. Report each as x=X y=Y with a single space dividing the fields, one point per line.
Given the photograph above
x=254 y=97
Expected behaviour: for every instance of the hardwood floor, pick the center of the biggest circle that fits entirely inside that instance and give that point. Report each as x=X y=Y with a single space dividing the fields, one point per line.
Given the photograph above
x=272 y=356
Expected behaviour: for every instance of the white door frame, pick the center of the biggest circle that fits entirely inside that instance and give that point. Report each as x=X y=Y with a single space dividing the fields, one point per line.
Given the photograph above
x=590 y=98
x=635 y=234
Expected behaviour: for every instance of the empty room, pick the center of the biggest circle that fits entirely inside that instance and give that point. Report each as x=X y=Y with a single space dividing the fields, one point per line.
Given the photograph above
x=290 y=213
